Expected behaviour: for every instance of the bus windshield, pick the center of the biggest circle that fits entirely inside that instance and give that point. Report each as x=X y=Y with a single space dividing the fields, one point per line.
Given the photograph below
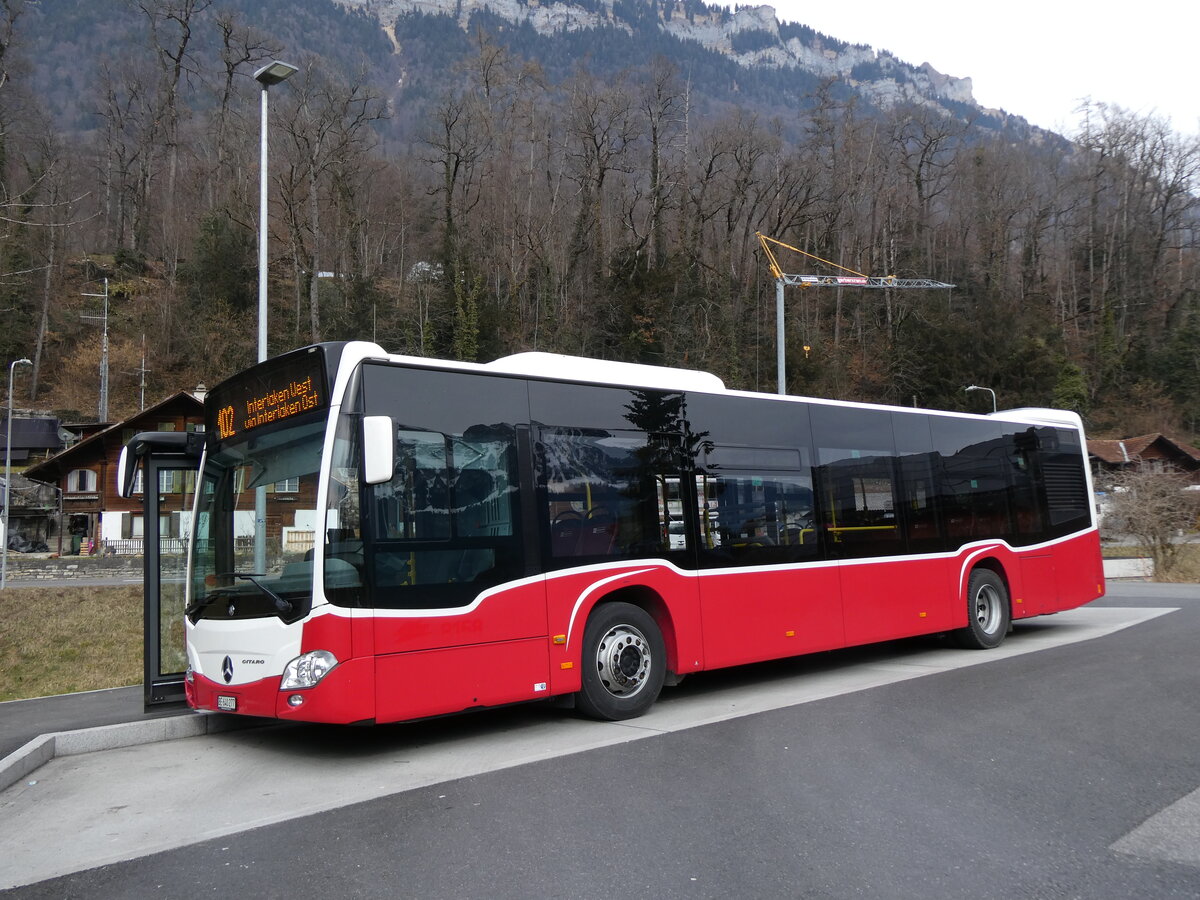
x=229 y=579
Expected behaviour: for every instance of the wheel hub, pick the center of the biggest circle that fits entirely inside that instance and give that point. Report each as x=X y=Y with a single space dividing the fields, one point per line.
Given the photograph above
x=623 y=660
x=987 y=608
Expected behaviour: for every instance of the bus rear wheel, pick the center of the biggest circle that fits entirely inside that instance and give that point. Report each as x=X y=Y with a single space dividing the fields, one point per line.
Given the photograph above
x=624 y=663
x=988 y=612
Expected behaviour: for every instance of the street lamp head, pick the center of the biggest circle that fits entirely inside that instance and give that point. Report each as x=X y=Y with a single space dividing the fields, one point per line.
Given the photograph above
x=22 y=362
x=976 y=387
x=274 y=72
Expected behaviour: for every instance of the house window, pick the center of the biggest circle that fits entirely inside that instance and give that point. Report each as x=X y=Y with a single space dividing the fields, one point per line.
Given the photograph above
x=288 y=485
x=175 y=481
x=81 y=481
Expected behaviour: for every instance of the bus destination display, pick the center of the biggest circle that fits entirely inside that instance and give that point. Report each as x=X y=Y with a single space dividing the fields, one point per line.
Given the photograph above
x=279 y=390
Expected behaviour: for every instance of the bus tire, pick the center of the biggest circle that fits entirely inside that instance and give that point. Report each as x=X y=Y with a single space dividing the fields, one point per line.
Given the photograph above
x=988 y=612
x=624 y=663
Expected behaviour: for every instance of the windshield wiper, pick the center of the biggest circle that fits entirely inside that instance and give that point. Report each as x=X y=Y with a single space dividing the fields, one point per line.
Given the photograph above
x=282 y=606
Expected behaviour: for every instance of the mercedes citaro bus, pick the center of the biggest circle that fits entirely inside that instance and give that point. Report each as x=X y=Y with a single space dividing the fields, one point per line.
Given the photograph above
x=378 y=538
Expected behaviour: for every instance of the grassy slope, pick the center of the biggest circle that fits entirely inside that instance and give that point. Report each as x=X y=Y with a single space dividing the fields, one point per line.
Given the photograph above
x=54 y=640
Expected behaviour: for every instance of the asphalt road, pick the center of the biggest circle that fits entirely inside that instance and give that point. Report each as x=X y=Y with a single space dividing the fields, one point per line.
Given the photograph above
x=1067 y=772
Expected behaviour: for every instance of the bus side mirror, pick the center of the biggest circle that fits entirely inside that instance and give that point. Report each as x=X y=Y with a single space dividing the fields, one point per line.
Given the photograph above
x=379 y=446
x=127 y=468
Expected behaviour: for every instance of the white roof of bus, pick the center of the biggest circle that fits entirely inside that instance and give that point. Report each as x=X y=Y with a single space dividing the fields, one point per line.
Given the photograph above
x=602 y=371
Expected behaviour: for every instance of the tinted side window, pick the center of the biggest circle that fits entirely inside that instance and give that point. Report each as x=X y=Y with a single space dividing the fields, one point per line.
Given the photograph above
x=444 y=525
x=756 y=506
x=916 y=462
x=416 y=503
x=857 y=481
x=611 y=472
x=606 y=408
x=447 y=524
x=748 y=421
x=1029 y=525
x=974 y=479
x=608 y=494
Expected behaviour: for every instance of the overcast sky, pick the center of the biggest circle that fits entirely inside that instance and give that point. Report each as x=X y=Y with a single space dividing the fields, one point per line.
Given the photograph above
x=1035 y=58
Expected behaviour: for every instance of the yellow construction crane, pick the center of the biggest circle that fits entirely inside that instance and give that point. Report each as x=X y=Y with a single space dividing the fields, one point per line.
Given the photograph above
x=853 y=279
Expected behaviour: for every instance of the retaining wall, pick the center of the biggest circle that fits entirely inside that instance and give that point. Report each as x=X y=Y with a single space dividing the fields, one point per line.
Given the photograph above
x=25 y=568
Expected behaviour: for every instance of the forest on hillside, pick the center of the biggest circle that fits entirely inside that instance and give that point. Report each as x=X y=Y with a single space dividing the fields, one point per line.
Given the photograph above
x=597 y=214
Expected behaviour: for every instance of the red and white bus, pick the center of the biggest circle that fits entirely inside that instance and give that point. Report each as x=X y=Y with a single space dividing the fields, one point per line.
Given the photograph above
x=445 y=536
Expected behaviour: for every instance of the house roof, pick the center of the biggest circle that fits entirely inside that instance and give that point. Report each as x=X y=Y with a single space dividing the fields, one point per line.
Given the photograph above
x=30 y=434
x=85 y=451
x=1130 y=450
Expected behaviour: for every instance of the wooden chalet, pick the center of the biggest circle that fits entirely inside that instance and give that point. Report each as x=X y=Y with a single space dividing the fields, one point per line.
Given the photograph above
x=1147 y=453
x=93 y=513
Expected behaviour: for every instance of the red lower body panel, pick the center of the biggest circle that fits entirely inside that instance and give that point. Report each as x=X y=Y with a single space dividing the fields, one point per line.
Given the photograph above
x=344 y=696
x=525 y=641
x=433 y=682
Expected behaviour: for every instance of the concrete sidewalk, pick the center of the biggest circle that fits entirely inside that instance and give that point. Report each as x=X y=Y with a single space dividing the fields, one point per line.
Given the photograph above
x=23 y=720
x=33 y=732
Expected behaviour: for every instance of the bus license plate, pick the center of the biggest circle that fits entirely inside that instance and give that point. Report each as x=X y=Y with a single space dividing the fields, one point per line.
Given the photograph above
x=226 y=704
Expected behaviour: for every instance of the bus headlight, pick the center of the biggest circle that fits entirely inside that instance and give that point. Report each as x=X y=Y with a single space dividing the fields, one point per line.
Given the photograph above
x=307 y=670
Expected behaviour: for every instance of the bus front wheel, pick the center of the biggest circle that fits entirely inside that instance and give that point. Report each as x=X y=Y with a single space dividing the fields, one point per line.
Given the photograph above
x=988 y=612
x=624 y=663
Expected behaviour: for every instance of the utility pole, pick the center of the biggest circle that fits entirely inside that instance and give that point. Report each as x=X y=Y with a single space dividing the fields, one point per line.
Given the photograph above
x=102 y=411
x=143 y=370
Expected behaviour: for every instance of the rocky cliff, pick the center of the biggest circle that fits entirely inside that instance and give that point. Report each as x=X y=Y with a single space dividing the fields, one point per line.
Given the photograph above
x=753 y=37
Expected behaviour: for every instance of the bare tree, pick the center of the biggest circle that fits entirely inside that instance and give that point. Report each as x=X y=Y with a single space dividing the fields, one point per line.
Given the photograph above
x=171 y=24
x=328 y=132
x=662 y=104
x=601 y=126
x=1156 y=509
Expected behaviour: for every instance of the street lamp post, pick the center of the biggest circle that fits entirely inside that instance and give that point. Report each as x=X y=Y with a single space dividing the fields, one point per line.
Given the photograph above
x=975 y=387
x=8 y=470
x=273 y=72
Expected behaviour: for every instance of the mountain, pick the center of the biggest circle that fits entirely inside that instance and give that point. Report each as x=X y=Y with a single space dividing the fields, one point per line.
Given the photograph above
x=66 y=49
x=746 y=53
x=737 y=58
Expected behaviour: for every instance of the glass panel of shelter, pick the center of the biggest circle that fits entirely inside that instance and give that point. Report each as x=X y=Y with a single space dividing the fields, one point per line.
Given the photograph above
x=167 y=508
